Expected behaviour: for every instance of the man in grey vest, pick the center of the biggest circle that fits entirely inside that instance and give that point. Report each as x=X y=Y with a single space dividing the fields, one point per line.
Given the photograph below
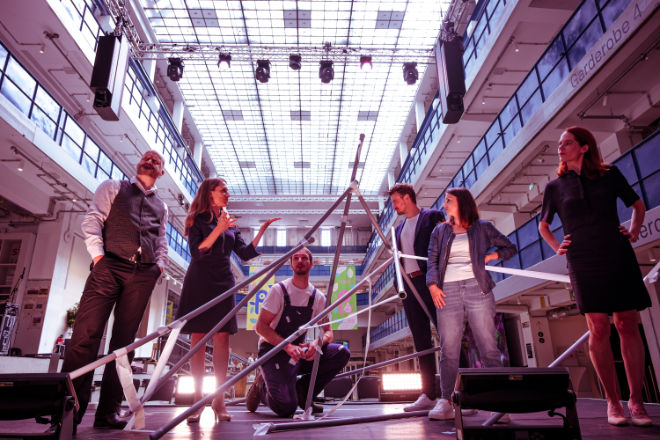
x=125 y=235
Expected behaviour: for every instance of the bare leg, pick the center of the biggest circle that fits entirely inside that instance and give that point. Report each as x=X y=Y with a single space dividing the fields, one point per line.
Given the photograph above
x=600 y=352
x=632 y=350
x=220 y=362
x=197 y=370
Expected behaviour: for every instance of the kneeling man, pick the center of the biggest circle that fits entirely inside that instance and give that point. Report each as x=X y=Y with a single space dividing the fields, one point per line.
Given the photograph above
x=289 y=305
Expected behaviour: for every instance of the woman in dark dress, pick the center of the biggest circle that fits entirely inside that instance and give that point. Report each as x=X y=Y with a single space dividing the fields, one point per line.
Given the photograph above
x=212 y=236
x=602 y=266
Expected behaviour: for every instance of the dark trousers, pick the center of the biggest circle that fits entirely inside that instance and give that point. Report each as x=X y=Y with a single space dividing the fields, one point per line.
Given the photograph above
x=112 y=283
x=279 y=387
x=420 y=327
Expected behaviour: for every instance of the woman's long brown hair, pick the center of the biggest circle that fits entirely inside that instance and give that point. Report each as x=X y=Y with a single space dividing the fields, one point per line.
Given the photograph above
x=467 y=207
x=202 y=202
x=592 y=163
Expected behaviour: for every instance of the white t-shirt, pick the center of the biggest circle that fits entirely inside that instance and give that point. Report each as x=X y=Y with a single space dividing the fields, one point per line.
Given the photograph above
x=459 y=266
x=407 y=239
x=274 y=301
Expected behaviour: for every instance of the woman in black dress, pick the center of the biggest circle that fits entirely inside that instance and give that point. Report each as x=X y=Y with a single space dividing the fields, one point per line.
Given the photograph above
x=602 y=265
x=212 y=236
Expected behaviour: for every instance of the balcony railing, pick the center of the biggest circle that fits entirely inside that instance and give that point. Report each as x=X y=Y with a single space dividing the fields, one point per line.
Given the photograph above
x=22 y=89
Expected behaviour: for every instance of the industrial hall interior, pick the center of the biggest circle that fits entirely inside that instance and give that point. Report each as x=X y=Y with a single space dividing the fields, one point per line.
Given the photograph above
x=364 y=219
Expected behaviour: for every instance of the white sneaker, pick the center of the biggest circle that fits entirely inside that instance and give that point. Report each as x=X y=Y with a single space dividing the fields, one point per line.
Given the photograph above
x=421 y=404
x=443 y=410
x=504 y=419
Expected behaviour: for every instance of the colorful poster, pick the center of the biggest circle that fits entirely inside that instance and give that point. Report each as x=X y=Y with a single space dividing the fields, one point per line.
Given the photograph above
x=254 y=305
x=344 y=281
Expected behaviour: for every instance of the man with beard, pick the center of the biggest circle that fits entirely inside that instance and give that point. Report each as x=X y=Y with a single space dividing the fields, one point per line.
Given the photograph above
x=125 y=236
x=289 y=305
x=412 y=238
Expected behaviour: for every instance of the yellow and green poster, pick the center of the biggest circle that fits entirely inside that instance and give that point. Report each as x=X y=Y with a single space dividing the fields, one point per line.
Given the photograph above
x=254 y=305
x=344 y=281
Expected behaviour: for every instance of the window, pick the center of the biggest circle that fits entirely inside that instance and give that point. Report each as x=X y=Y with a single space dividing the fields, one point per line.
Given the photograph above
x=325 y=237
x=281 y=238
x=261 y=241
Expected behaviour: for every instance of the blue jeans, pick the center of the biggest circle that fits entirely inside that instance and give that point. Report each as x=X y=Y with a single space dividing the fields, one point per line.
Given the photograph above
x=465 y=301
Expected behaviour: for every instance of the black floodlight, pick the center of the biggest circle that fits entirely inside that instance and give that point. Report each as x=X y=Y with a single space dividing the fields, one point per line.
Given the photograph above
x=410 y=73
x=175 y=69
x=263 y=71
x=326 y=71
x=295 y=61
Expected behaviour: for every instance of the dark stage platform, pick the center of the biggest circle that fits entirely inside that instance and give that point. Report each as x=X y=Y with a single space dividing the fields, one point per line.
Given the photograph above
x=593 y=424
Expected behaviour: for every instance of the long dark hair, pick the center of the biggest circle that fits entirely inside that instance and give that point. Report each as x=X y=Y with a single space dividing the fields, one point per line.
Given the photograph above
x=202 y=201
x=467 y=207
x=592 y=163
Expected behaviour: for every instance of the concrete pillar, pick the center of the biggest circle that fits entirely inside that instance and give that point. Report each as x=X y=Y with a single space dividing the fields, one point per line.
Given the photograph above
x=391 y=180
x=149 y=67
x=420 y=113
x=177 y=114
x=197 y=153
x=403 y=152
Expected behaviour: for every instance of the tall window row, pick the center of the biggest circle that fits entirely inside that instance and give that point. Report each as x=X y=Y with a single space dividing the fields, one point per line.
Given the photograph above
x=474 y=44
x=34 y=101
x=166 y=137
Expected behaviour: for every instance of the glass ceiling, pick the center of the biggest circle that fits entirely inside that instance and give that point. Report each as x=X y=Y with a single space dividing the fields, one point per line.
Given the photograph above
x=294 y=134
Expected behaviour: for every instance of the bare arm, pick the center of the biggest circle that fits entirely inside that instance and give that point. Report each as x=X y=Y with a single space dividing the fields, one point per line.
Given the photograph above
x=313 y=344
x=549 y=237
x=262 y=229
x=269 y=334
x=639 y=211
x=225 y=222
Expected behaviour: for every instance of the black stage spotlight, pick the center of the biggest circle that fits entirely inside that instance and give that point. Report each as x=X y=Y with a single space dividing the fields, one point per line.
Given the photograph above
x=326 y=71
x=295 y=61
x=224 y=61
x=365 y=63
x=263 y=71
x=175 y=69
x=410 y=73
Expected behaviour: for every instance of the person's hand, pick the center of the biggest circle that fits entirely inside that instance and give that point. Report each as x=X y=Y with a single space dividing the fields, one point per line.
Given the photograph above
x=563 y=246
x=312 y=347
x=294 y=351
x=438 y=296
x=630 y=235
x=267 y=223
x=490 y=257
x=97 y=259
x=226 y=221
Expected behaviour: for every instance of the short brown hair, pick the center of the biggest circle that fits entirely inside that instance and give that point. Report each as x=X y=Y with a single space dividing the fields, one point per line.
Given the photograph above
x=402 y=189
x=309 y=253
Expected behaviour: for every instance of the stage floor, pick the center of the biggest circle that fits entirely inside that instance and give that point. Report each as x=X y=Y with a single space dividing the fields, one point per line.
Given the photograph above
x=591 y=413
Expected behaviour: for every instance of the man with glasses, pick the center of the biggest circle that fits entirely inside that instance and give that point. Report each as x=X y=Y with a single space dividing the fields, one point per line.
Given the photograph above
x=124 y=232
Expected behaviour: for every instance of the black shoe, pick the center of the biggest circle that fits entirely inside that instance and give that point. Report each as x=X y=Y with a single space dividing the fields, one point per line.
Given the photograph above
x=302 y=399
x=253 y=396
x=109 y=421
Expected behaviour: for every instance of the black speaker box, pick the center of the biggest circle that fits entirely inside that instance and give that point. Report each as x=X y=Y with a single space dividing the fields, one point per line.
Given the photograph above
x=37 y=395
x=109 y=74
x=516 y=390
x=451 y=78
x=338 y=387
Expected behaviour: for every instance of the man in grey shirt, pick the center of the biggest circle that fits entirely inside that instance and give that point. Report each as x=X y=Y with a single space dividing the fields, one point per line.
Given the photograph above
x=125 y=236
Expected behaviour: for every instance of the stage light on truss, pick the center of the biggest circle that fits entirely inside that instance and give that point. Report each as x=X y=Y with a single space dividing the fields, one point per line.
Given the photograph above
x=295 y=61
x=326 y=71
x=175 y=69
x=224 y=61
x=263 y=71
x=410 y=73
x=365 y=63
